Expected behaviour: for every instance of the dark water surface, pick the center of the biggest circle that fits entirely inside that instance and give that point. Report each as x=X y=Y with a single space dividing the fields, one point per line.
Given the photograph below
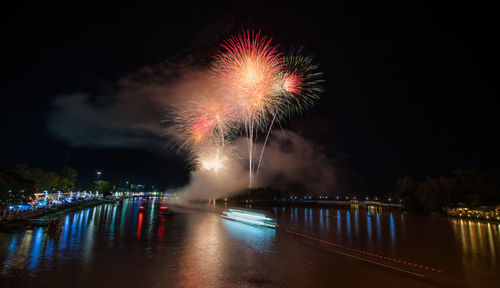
x=116 y=246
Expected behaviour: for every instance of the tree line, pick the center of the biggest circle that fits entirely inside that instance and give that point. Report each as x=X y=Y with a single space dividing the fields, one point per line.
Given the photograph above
x=21 y=182
x=467 y=188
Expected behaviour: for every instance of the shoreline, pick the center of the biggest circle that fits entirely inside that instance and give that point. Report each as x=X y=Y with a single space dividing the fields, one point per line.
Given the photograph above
x=42 y=218
x=330 y=204
x=493 y=221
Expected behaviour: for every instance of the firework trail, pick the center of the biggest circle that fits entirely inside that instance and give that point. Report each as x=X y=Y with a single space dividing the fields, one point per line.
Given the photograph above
x=248 y=68
x=299 y=86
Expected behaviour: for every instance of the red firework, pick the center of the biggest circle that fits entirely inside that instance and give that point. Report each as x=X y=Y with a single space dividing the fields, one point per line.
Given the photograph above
x=291 y=83
x=249 y=66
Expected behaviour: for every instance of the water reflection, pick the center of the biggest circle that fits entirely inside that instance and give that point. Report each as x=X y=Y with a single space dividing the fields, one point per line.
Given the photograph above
x=258 y=238
x=369 y=227
x=476 y=240
x=379 y=228
x=392 y=229
x=491 y=242
x=65 y=233
x=36 y=249
x=202 y=258
x=139 y=225
x=199 y=248
x=348 y=222
x=28 y=249
x=10 y=258
x=327 y=220
x=321 y=218
x=356 y=224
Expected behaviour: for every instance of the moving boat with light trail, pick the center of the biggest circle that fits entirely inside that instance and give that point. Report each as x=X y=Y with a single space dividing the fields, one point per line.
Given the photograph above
x=251 y=218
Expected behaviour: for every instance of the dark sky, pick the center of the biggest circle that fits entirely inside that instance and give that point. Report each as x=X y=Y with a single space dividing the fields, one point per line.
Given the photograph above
x=408 y=86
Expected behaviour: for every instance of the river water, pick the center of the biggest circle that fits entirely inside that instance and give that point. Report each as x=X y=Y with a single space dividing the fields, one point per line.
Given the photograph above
x=118 y=246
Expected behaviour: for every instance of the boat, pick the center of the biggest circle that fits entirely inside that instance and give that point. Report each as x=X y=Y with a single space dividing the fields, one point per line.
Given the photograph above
x=164 y=211
x=251 y=218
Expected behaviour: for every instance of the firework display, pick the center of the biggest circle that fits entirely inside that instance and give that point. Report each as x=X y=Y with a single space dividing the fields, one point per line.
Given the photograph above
x=253 y=86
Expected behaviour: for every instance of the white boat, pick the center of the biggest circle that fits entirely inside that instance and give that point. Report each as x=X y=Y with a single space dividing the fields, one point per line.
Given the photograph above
x=251 y=218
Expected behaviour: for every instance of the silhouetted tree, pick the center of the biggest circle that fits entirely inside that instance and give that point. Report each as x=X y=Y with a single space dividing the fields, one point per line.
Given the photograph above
x=13 y=186
x=43 y=180
x=67 y=176
x=406 y=190
x=468 y=187
x=104 y=187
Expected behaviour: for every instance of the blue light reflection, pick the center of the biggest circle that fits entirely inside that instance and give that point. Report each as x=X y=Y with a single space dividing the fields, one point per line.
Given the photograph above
x=259 y=238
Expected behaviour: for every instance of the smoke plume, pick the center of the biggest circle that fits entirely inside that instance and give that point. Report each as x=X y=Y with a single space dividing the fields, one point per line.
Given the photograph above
x=132 y=116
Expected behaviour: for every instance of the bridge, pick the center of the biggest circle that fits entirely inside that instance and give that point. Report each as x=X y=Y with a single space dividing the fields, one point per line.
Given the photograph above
x=347 y=202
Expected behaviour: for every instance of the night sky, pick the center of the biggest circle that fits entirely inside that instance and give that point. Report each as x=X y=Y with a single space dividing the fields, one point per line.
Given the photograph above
x=408 y=87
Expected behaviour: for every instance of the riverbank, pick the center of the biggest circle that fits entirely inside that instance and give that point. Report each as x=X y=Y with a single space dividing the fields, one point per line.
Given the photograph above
x=483 y=214
x=306 y=203
x=41 y=218
x=65 y=211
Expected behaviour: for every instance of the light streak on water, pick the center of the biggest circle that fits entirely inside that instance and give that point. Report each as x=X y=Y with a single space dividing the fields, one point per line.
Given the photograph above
x=392 y=229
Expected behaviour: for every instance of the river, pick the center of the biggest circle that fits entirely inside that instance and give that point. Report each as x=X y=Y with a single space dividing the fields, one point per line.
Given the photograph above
x=118 y=246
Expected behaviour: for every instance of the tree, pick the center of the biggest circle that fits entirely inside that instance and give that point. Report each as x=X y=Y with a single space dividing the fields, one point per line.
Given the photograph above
x=104 y=187
x=67 y=179
x=43 y=180
x=406 y=190
x=432 y=195
x=13 y=186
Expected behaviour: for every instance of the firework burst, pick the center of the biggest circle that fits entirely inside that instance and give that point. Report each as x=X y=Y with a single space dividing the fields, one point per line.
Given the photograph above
x=213 y=158
x=256 y=86
x=247 y=68
x=204 y=121
x=300 y=83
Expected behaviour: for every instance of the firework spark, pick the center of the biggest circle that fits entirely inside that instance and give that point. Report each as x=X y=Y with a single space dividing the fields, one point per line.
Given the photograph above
x=247 y=68
x=301 y=82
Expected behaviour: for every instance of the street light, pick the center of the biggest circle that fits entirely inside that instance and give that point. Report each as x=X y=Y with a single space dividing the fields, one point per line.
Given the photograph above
x=98 y=174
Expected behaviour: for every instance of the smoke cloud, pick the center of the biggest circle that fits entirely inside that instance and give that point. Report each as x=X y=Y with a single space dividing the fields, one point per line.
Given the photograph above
x=132 y=115
x=290 y=162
